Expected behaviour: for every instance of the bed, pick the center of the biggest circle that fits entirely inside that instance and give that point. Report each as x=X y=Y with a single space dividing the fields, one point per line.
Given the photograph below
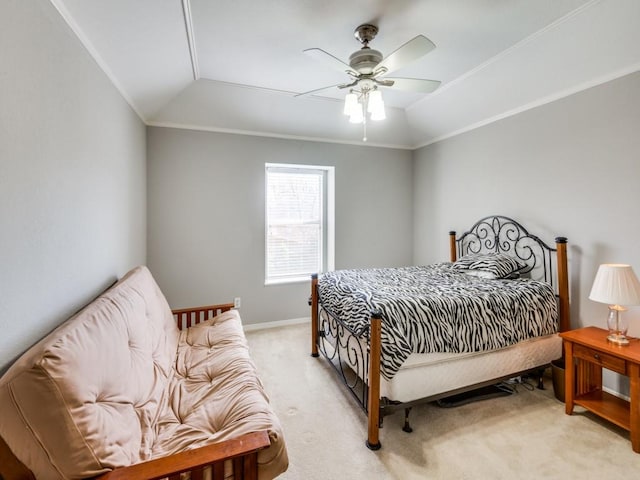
x=402 y=336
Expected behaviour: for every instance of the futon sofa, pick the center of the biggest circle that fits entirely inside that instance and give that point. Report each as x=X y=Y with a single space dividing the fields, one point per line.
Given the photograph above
x=120 y=390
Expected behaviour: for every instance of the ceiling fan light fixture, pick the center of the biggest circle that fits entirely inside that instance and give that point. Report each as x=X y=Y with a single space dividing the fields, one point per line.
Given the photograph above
x=368 y=102
x=367 y=69
x=351 y=104
x=375 y=105
x=357 y=115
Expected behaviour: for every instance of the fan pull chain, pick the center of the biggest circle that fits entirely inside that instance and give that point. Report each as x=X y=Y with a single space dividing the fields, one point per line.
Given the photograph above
x=364 y=126
x=365 y=105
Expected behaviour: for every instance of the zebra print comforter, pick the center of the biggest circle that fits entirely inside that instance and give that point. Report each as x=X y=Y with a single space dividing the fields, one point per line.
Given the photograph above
x=436 y=309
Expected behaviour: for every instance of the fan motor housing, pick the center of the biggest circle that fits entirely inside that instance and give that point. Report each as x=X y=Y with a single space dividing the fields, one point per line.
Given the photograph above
x=365 y=60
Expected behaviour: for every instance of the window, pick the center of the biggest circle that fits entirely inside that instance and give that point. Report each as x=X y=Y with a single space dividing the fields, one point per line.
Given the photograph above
x=299 y=221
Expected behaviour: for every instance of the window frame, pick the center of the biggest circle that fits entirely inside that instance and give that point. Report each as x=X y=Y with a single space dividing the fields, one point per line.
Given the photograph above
x=327 y=251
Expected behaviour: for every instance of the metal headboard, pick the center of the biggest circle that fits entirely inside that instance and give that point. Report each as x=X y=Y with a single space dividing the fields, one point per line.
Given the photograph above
x=500 y=234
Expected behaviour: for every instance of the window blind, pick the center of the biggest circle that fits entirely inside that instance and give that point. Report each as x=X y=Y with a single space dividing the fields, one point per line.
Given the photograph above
x=294 y=230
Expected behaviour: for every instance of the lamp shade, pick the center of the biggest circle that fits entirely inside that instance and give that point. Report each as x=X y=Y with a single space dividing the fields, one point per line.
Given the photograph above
x=615 y=284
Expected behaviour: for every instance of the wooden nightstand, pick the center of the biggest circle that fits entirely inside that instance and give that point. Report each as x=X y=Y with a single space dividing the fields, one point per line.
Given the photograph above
x=590 y=351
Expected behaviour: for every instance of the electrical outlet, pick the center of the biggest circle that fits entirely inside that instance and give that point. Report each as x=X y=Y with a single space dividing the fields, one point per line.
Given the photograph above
x=236 y=302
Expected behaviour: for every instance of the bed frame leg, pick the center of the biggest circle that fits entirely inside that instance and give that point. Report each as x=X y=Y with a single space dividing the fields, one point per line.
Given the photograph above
x=453 y=251
x=540 y=379
x=563 y=285
x=373 y=397
x=407 y=428
x=314 y=315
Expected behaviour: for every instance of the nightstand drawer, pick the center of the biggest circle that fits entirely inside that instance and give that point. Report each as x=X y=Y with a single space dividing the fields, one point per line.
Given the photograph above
x=603 y=359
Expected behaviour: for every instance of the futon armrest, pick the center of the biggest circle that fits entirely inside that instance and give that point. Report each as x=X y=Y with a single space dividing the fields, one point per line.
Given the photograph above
x=187 y=317
x=244 y=448
x=10 y=467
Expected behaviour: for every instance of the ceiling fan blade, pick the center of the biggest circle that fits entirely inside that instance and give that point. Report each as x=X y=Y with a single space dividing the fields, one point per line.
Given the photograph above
x=311 y=92
x=407 y=53
x=419 y=85
x=330 y=60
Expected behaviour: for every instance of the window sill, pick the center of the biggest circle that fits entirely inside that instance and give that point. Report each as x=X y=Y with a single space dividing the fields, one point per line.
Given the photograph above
x=286 y=281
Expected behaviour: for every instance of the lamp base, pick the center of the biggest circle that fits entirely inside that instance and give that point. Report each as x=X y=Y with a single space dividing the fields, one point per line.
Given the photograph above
x=618 y=339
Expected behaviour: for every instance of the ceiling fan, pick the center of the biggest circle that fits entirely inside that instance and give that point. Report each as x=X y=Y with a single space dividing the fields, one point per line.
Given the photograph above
x=368 y=68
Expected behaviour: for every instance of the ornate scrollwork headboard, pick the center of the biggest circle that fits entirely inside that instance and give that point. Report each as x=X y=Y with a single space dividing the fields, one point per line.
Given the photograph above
x=501 y=234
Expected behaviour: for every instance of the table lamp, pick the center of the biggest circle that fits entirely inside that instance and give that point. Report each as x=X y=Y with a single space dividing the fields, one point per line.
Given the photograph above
x=617 y=286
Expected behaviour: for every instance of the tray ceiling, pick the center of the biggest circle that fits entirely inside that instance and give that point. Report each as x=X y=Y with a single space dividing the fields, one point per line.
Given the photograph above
x=235 y=66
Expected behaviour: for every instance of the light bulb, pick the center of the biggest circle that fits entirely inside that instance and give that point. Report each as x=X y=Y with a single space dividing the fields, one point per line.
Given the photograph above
x=357 y=116
x=376 y=106
x=350 y=103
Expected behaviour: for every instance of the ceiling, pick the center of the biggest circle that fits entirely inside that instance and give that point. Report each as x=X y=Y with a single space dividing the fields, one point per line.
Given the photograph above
x=236 y=65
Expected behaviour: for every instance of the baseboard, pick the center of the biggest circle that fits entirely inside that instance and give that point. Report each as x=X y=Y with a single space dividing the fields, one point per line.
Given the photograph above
x=278 y=323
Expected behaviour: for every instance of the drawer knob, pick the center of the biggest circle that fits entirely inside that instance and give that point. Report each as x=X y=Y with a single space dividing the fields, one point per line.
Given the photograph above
x=596 y=356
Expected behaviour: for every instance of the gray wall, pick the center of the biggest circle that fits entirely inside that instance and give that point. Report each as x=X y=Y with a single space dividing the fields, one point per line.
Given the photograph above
x=72 y=177
x=206 y=215
x=568 y=168
x=73 y=191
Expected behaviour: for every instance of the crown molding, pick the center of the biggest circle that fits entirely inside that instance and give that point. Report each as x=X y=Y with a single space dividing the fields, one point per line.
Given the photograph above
x=188 y=25
x=275 y=135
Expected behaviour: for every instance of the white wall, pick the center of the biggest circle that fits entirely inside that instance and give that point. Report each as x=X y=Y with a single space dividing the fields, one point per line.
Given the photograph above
x=569 y=168
x=72 y=177
x=206 y=215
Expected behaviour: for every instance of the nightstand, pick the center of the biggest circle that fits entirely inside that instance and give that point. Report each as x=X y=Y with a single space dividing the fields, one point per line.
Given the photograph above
x=588 y=349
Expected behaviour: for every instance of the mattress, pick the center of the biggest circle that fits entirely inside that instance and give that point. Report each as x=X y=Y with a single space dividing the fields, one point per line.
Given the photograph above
x=428 y=375
x=436 y=309
x=425 y=375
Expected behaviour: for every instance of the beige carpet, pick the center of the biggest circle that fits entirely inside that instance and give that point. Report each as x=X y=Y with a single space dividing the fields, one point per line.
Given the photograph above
x=522 y=436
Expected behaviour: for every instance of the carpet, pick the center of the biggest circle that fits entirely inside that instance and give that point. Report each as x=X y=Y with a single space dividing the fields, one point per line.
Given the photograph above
x=525 y=435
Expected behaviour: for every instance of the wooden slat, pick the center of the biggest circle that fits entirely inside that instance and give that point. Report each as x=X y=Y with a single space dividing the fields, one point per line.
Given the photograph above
x=197 y=473
x=217 y=470
x=250 y=467
x=238 y=472
x=188 y=317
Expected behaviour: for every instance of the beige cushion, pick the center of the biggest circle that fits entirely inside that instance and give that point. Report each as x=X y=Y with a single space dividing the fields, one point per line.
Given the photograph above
x=118 y=383
x=216 y=394
x=84 y=399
